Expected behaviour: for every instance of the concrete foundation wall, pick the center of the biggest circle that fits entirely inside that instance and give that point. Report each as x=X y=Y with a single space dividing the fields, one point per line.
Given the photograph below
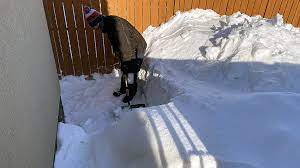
x=29 y=90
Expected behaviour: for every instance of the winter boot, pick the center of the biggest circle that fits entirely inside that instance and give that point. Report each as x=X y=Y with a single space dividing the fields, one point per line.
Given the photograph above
x=132 y=91
x=127 y=99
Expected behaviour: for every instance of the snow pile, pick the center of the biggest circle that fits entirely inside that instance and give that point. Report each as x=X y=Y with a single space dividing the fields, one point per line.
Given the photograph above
x=74 y=147
x=222 y=92
x=241 y=52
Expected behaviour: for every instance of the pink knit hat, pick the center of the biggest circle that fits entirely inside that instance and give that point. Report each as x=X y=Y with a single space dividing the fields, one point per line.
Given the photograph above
x=91 y=16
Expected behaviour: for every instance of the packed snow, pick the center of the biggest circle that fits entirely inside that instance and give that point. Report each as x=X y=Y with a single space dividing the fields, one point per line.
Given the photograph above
x=221 y=92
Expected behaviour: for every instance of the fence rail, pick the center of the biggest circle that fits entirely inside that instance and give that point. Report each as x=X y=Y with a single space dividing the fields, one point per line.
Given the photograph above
x=80 y=50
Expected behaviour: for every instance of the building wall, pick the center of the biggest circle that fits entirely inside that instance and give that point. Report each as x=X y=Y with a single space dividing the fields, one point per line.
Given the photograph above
x=29 y=90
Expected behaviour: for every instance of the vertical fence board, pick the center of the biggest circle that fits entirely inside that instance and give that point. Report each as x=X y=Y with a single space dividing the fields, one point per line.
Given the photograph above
x=63 y=37
x=244 y=6
x=277 y=7
x=81 y=37
x=73 y=37
x=109 y=55
x=170 y=8
x=91 y=43
x=202 y=4
x=250 y=7
x=230 y=7
x=181 y=5
x=293 y=11
x=100 y=51
x=56 y=38
x=176 y=5
x=223 y=7
x=92 y=50
x=217 y=5
x=50 y=28
x=154 y=13
x=130 y=11
x=109 y=7
x=210 y=4
x=55 y=33
x=270 y=7
x=122 y=8
x=139 y=15
x=106 y=6
x=146 y=14
x=283 y=6
x=296 y=18
x=162 y=11
x=263 y=6
x=187 y=5
x=195 y=4
x=47 y=7
x=256 y=7
x=116 y=7
x=288 y=9
x=237 y=5
x=99 y=41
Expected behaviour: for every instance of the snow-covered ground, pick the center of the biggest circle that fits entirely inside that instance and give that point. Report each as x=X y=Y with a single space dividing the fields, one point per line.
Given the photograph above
x=222 y=92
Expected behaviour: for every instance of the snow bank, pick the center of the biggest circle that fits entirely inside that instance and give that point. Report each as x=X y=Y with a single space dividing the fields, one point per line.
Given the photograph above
x=223 y=92
x=74 y=147
x=240 y=52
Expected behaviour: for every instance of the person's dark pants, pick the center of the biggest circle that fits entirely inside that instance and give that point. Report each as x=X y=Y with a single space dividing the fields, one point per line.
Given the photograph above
x=131 y=87
x=128 y=69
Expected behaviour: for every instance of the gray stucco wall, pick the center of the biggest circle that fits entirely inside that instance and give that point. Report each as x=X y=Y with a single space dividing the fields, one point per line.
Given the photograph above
x=29 y=90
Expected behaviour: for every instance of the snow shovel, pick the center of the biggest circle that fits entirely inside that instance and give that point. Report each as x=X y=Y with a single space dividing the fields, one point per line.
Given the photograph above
x=133 y=106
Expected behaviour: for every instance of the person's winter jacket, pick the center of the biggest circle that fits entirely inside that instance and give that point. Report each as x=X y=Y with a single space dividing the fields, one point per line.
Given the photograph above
x=126 y=41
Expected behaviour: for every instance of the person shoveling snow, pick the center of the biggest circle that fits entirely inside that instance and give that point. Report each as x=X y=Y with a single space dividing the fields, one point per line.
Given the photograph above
x=128 y=45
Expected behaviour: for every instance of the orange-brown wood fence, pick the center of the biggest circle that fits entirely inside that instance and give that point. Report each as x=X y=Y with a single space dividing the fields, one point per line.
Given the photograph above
x=80 y=50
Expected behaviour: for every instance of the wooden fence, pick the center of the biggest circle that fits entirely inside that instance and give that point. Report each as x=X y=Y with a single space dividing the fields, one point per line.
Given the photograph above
x=80 y=50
